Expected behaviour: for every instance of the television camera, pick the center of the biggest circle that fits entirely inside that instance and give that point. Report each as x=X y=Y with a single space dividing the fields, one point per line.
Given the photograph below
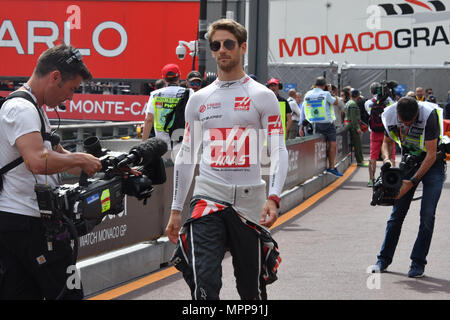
x=78 y=208
x=387 y=185
x=386 y=90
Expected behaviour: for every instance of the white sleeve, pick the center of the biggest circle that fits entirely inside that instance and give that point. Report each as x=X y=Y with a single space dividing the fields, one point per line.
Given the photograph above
x=19 y=118
x=294 y=107
x=271 y=121
x=330 y=98
x=302 y=113
x=186 y=158
x=368 y=106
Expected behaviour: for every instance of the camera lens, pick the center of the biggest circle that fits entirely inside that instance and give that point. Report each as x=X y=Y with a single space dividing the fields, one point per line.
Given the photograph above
x=92 y=145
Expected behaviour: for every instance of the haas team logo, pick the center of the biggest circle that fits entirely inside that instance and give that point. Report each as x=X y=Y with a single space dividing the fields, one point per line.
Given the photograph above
x=230 y=147
x=275 y=125
x=242 y=103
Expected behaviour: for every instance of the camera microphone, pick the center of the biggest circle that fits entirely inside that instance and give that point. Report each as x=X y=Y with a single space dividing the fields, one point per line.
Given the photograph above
x=145 y=152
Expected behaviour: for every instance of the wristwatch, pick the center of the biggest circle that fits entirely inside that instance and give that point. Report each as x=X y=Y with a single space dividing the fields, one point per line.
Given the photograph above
x=276 y=199
x=415 y=181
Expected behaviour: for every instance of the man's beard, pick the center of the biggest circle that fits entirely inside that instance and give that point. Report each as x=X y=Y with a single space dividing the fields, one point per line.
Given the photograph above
x=230 y=64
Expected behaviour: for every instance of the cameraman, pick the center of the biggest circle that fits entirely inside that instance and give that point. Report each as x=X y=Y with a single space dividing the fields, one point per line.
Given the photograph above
x=28 y=270
x=417 y=128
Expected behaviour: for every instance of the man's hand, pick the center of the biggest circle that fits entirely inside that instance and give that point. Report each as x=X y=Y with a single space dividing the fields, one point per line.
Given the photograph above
x=173 y=226
x=89 y=163
x=269 y=214
x=406 y=186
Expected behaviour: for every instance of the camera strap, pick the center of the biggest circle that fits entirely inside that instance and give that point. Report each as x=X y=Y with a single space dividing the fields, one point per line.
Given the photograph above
x=45 y=135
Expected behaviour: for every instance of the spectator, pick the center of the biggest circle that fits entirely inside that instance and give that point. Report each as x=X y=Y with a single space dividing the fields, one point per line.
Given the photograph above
x=362 y=111
x=420 y=94
x=411 y=94
x=162 y=102
x=432 y=99
x=299 y=98
x=447 y=107
x=339 y=111
x=194 y=80
x=318 y=110
x=428 y=92
x=375 y=108
x=293 y=130
x=160 y=83
x=286 y=111
x=353 y=118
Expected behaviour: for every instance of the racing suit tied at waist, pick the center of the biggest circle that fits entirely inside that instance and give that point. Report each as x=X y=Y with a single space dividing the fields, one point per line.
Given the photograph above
x=247 y=200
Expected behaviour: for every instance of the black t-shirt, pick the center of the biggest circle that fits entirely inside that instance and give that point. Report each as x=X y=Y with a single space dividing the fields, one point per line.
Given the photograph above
x=447 y=111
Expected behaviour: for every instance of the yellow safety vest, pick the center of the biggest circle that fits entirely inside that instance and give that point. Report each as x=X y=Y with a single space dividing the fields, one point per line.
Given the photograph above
x=283 y=116
x=162 y=106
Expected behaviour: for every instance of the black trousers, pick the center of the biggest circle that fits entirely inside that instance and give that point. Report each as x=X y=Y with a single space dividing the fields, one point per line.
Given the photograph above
x=28 y=271
x=206 y=241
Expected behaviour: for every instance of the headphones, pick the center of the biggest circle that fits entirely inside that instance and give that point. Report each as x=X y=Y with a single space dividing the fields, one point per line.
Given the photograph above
x=280 y=85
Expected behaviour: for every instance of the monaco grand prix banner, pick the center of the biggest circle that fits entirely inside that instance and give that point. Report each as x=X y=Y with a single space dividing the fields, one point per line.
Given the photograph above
x=118 y=39
x=379 y=32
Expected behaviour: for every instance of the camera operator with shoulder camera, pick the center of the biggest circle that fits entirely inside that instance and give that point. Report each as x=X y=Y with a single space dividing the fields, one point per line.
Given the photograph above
x=30 y=154
x=418 y=128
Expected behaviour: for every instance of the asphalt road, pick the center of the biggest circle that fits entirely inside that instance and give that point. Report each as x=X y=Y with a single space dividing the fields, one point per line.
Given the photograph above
x=327 y=249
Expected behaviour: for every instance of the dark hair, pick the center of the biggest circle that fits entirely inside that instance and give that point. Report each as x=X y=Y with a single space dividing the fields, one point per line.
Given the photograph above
x=159 y=84
x=374 y=87
x=355 y=93
x=407 y=108
x=231 y=26
x=320 y=82
x=65 y=59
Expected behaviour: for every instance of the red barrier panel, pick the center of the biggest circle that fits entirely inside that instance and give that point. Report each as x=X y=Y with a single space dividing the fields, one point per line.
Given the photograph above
x=107 y=107
x=118 y=39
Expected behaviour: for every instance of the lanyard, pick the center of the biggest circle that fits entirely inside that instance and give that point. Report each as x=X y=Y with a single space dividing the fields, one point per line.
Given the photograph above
x=26 y=86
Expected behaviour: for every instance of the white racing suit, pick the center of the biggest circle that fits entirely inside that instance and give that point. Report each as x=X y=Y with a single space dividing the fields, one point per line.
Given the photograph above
x=209 y=233
x=225 y=120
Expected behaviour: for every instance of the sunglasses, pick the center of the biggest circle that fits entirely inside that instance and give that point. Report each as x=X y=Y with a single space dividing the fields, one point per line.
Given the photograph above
x=195 y=83
x=228 y=44
x=75 y=56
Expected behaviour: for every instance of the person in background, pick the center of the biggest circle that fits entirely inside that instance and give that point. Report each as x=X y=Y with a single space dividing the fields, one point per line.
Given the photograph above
x=420 y=96
x=428 y=92
x=194 y=80
x=339 y=110
x=293 y=129
x=353 y=118
x=375 y=108
x=286 y=111
x=162 y=102
x=318 y=110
